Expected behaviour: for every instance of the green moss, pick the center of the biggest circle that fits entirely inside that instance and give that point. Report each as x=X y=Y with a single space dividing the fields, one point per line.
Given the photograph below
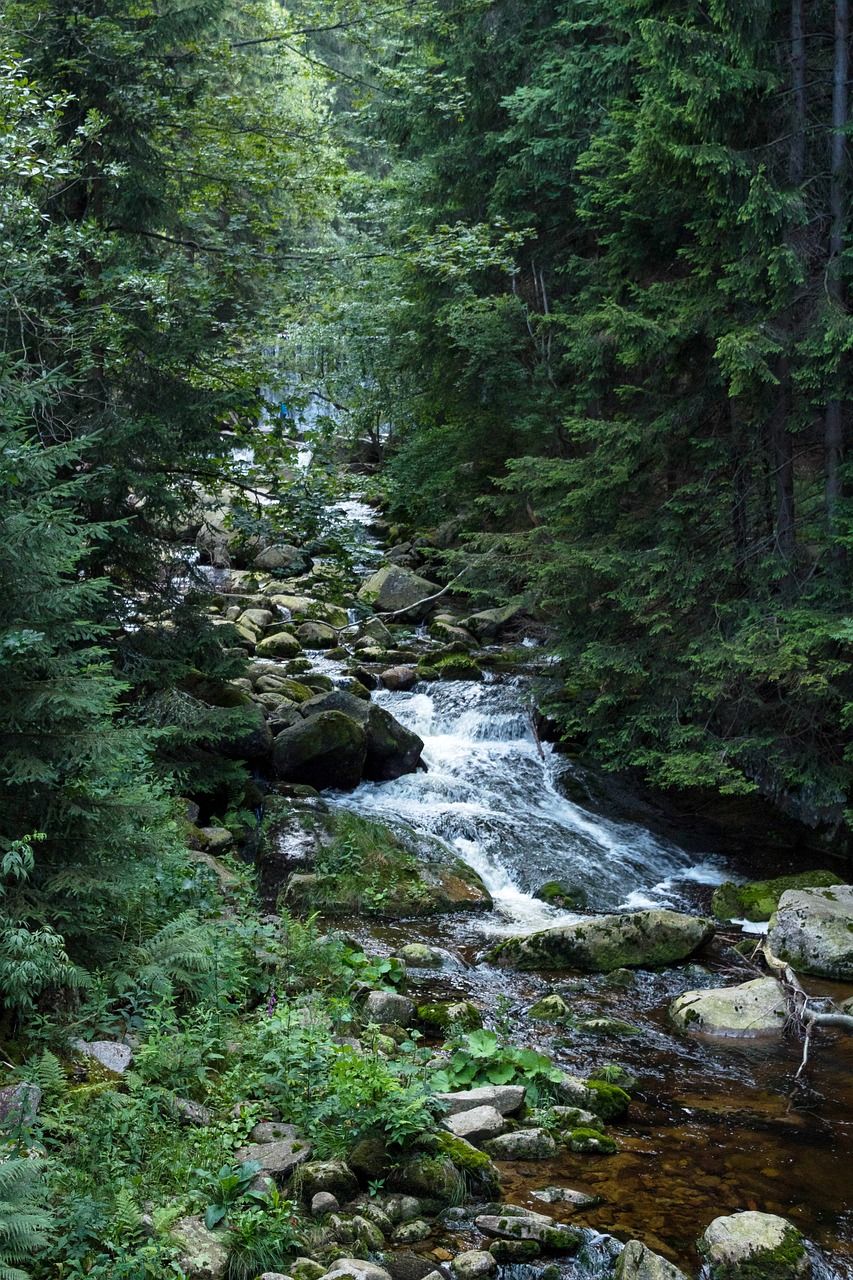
x=758 y=900
x=457 y=667
x=782 y=1263
x=513 y=1251
x=476 y=1165
x=608 y=1101
x=592 y=1140
x=443 y=1014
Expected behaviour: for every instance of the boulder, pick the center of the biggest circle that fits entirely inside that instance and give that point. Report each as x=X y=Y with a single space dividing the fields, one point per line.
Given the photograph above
x=592 y=1142
x=332 y=1176
x=566 y=1195
x=515 y=1251
x=387 y=1006
x=473 y=1263
x=292 y=561
x=636 y=1262
x=251 y=742
x=273 y=1131
x=754 y=1246
x=358 y=1269
x=813 y=931
x=559 y=893
x=306 y=1269
x=507 y=1099
x=19 y=1104
x=258 y=619
x=549 y=1009
x=112 y=1055
x=278 y=1159
x=203 y=1253
x=599 y=1096
x=758 y=899
x=524 y=1144
x=336 y=700
x=489 y=623
x=427 y=1177
x=392 y=750
x=477 y=1125
x=317 y=635
x=282 y=645
x=550 y=1235
x=602 y=943
x=412 y=1232
x=394 y=589
x=748 y=1011
x=420 y=956
x=327 y=750
x=399 y=679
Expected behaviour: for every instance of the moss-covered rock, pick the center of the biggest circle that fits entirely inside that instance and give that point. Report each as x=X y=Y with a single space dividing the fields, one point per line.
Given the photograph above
x=604 y=943
x=512 y=1252
x=430 y=1176
x=813 y=930
x=636 y=1262
x=549 y=1009
x=759 y=899
x=328 y=750
x=754 y=1246
x=749 y=1011
x=607 y=1100
x=282 y=644
x=443 y=1014
x=592 y=1141
x=481 y=1174
x=559 y=893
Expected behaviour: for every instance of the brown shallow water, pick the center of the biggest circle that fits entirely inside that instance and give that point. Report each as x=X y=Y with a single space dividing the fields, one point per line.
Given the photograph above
x=714 y=1129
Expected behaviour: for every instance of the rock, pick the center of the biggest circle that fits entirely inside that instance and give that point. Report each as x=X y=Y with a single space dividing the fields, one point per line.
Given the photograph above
x=474 y=1262
x=754 y=1246
x=327 y=750
x=444 y=1014
x=604 y=1099
x=292 y=560
x=332 y=1176
x=513 y=1252
x=400 y=679
x=204 y=1254
x=112 y=1055
x=549 y=1009
x=190 y=1113
x=281 y=645
x=569 y=1118
x=553 y=1236
x=813 y=931
x=336 y=700
x=394 y=589
x=412 y=1232
x=252 y=742
x=278 y=1159
x=592 y=1141
x=392 y=749
x=216 y=838
x=636 y=1262
x=323 y=1202
x=370 y=1159
x=419 y=956
x=273 y=1131
x=758 y=899
x=488 y=623
x=476 y=1125
x=565 y=1195
x=524 y=1144
x=257 y=618
x=427 y=1177
x=606 y=1027
x=306 y=1269
x=402 y=1208
x=317 y=635
x=274 y=1275
x=406 y=1265
x=504 y=1098
x=557 y=893
x=387 y=1006
x=603 y=943
x=19 y=1104
x=748 y=1011
x=358 y=1269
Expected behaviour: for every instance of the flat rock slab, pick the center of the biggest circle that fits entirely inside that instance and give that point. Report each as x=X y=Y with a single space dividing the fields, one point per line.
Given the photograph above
x=749 y=1011
x=524 y=1144
x=277 y=1158
x=204 y=1254
x=555 y=1236
x=477 y=1125
x=600 y=944
x=753 y=1244
x=565 y=1195
x=115 y=1057
x=636 y=1262
x=505 y=1098
x=813 y=931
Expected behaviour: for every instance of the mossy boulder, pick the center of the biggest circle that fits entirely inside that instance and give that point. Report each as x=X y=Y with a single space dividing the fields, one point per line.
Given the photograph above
x=592 y=1141
x=392 y=750
x=478 y=1168
x=513 y=1252
x=281 y=645
x=326 y=1175
x=430 y=1176
x=203 y=1253
x=553 y=1237
x=603 y=943
x=813 y=930
x=317 y=635
x=636 y=1262
x=419 y=956
x=523 y=1144
x=600 y=1097
x=456 y=666
x=752 y=1010
x=395 y=589
x=758 y=900
x=489 y=623
x=443 y=1014
x=754 y=1246
x=327 y=750
x=559 y=893
x=549 y=1009
x=600 y=1026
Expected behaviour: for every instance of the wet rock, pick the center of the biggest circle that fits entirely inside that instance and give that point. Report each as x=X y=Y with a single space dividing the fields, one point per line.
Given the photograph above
x=19 y=1104
x=327 y=750
x=606 y=1027
x=592 y=1141
x=392 y=749
x=358 y=1269
x=406 y=1265
x=444 y=1014
x=428 y=1177
x=306 y=1269
x=558 y=893
x=370 y=1159
x=387 y=1006
x=524 y=1144
x=754 y=1246
x=813 y=931
x=278 y=1159
x=476 y=1125
x=604 y=943
x=257 y=618
x=552 y=1236
x=203 y=1253
x=291 y=561
x=636 y=1262
x=317 y=635
x=403 y=1208
x=604 y=1099
x=394 y=589
x=332 y=1176
x=419 y=956
x=569 y=1118
x=412 y=1232
x=566 y=1195
x=514 y=1252
x=504 y=1098
x=750 y=1010
x=282 y=645
x=400 y=679
x=758 y=899
x=549 y=1009
x=489 y=623
x=323 y=1202
x=377 y=1215
x=112 y=1055
x=367 y=1233
x=473 y=1263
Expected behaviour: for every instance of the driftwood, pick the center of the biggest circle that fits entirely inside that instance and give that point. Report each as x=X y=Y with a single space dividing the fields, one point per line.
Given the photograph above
x=805 y=1012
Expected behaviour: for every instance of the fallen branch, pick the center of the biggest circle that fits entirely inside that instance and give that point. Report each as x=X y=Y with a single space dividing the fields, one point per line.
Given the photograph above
x=802 y=1013
x=443 y=592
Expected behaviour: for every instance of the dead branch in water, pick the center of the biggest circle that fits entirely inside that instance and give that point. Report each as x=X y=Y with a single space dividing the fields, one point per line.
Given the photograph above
x=805 y=1012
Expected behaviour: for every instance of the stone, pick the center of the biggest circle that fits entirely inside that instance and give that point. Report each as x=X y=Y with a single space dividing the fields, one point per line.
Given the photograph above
x=332 y=1176
x=388 y=1006
x=394 y=589
x=419 y=956
x=569 y=1118
x=524 y=1144
x=550 y=1235
x=273 y=1131
x=274 y=1275
x=327 y=750
x=399 y=679
x=549 y=1009
x=592 y=1142
x=813 y=931
x=412 y=1232
x=558 y=893
x=282 y=645
x=513 y=1252
x=370 y=1159
x=306 y=1269
x=476 y=1125
x=19 y=1104
x=444 y=1014
x=504 y=1098
x=751 y=1010
x=216 y=838
x=323 y=1202
x=489 y=623
x=758 y=899
x=203 y=1253
x=392 y=749
x=190 y=1113
x=603 y=943
x=403 y=1208
x=252 y=742
x=291 y=560
x=112 y=1055
x=754 y=1246
x=358 y=1269
x=279 y=1159
x=606 y=1027
x=565 y=1195
x=260 y=619
x=317 y=635
x=474 y=1262
x=636 y=1262
x=427 y=1177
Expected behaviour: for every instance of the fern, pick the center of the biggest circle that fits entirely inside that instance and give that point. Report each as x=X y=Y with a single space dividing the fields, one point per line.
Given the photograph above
x=173 y=961
x=24 y=1222
x=126 y=1227
x=48 y=1073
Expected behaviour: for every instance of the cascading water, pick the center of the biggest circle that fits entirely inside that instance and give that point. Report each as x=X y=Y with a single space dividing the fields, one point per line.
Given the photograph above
x=493 y=794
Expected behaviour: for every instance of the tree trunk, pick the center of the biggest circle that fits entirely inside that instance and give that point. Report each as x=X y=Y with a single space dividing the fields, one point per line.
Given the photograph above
x=834 y=424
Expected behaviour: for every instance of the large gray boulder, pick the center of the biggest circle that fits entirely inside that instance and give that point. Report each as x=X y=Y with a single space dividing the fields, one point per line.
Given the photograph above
x=754 y=1246
x=524 y=1144
x=551 y=1235
x=278 y=1159
x=19 y=1104
x=489 y=623
x=292 y=561
x=505 y=1098
x=392 y=750
x=603 y=943
x=477 y=1125
x=388 y=1006
x=327 y=750
x=813 y=931
x=748 y=1011
x=203 y=1253
x=394 y=589
x=636 y=1262
x=331 y=1176
x=282 y=645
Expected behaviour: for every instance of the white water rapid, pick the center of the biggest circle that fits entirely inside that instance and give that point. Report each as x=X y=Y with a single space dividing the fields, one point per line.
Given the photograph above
x=493 y=795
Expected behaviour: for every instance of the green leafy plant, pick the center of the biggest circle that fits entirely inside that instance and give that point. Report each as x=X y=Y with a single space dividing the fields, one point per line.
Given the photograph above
x=482 y=1059
x=225 y=1188
x=262 y=1237
x=24 y=1221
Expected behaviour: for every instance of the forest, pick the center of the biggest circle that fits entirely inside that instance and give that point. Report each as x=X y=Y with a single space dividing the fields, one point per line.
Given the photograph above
x=426 y=497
